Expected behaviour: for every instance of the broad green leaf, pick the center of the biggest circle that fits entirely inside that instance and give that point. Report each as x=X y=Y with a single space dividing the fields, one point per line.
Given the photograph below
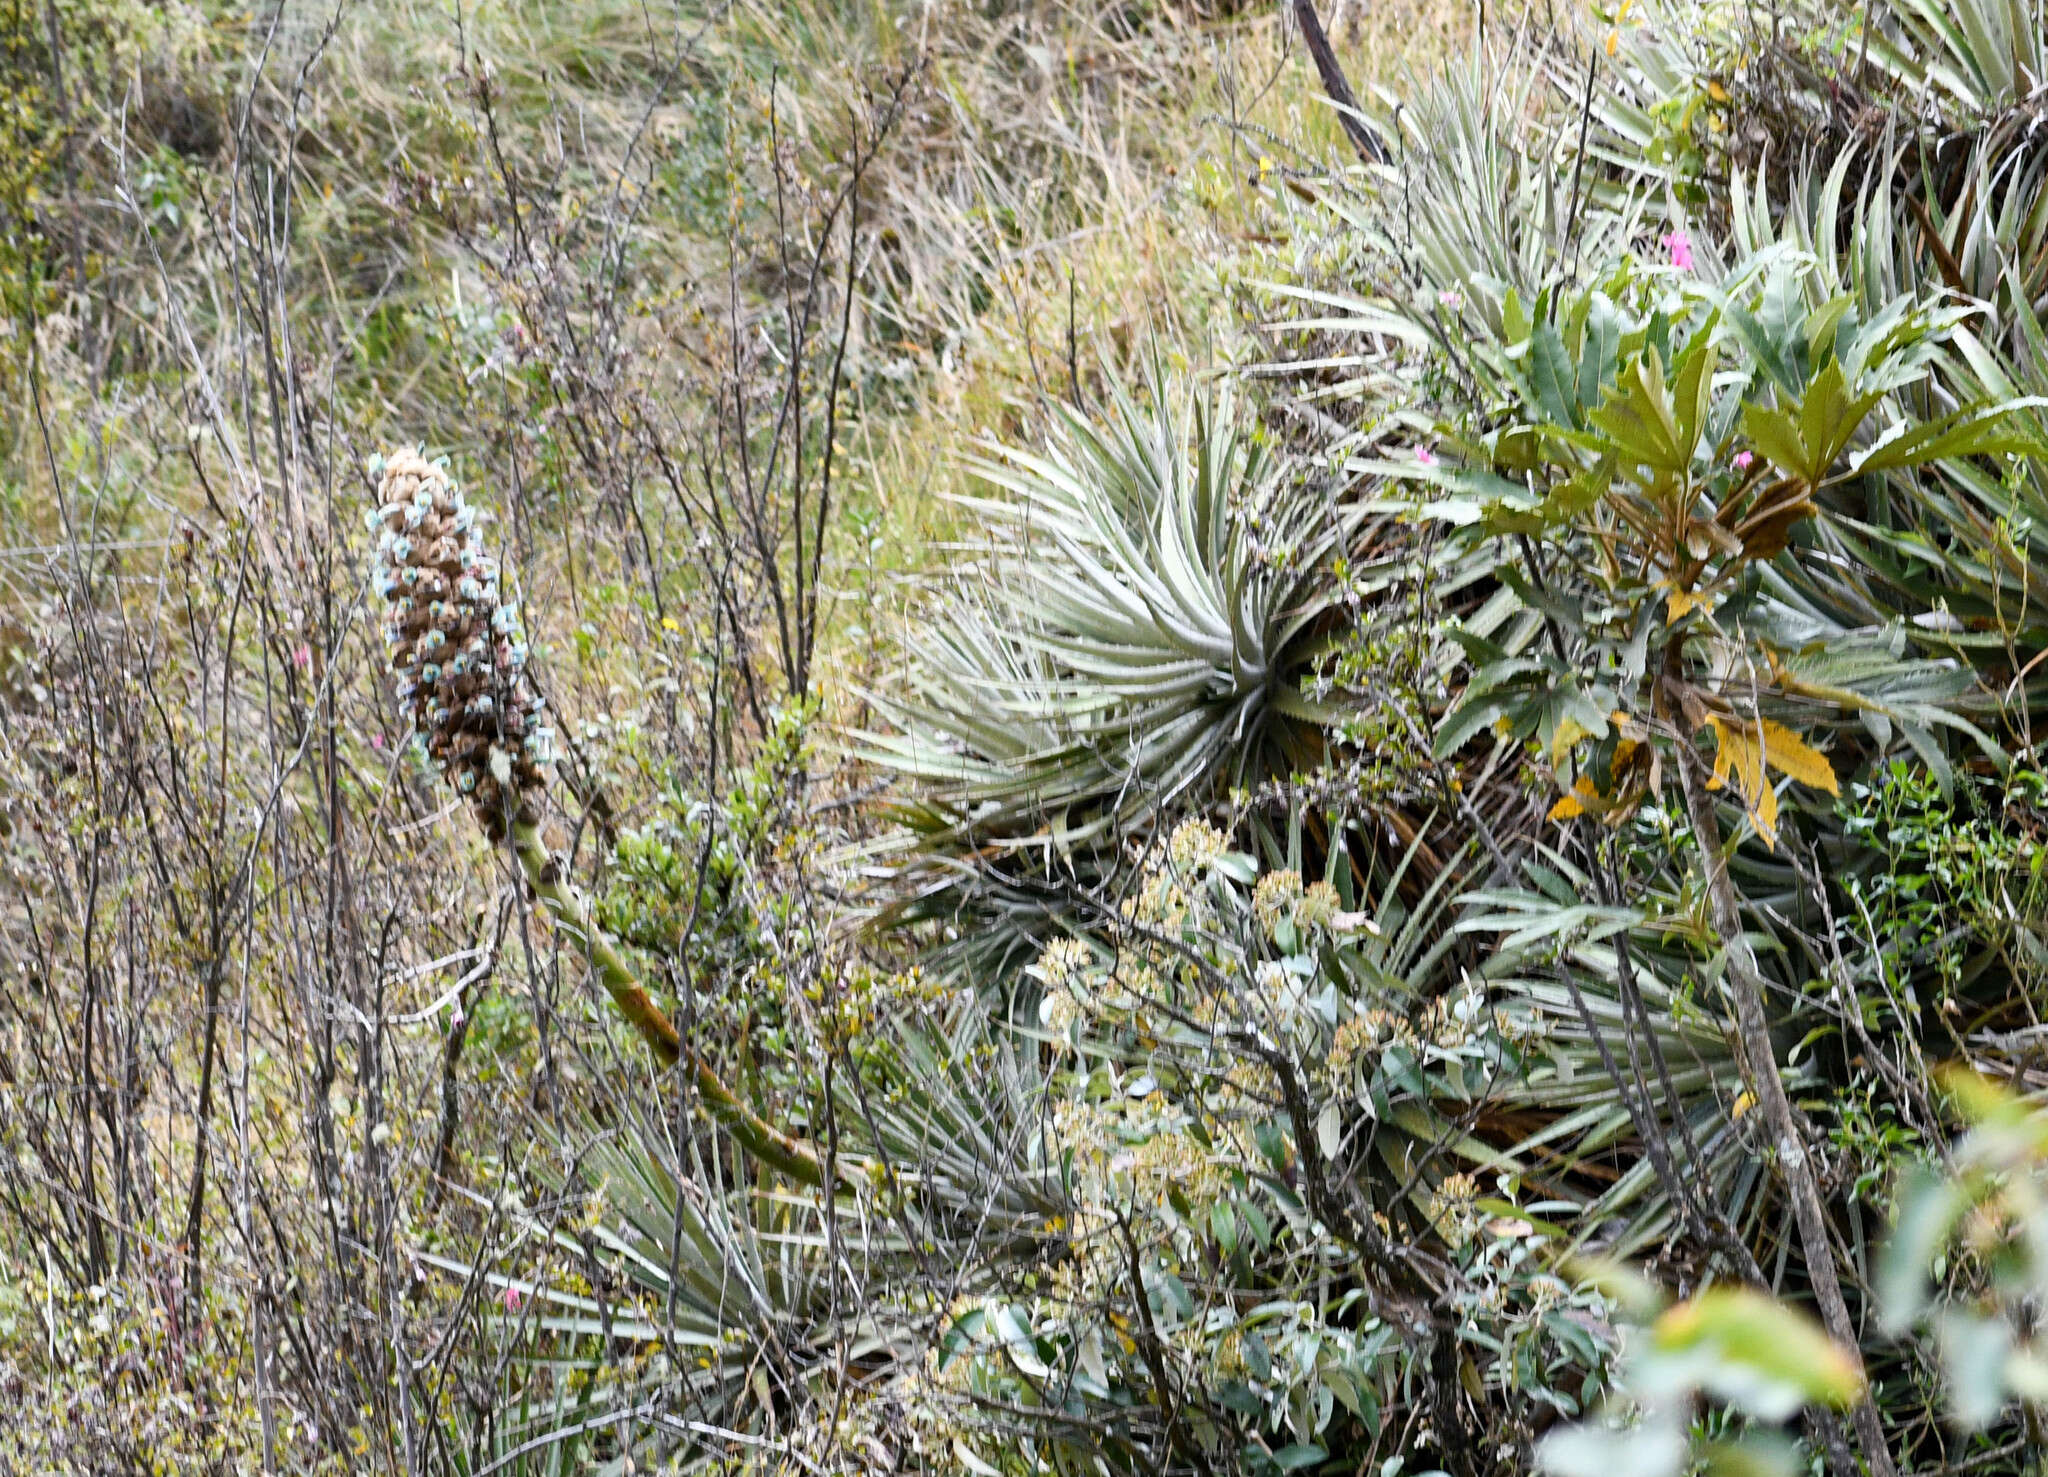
x=1822 y=322
x=1600 y=351
x=1693 y=388
x=1768 y=354
x=1299 y=1456
x=1775 y=433
x=1828 y=418
x=1552 y=377
x=1223 y=1226
x=1978 y=430
x=1637 y=417
x=1514 y=318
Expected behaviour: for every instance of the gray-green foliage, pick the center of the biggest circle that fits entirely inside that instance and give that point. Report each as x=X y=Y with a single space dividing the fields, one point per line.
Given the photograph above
x=1129 y=633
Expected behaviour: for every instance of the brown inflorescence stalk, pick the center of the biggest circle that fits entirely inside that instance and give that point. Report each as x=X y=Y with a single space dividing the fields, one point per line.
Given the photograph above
x=458 y=663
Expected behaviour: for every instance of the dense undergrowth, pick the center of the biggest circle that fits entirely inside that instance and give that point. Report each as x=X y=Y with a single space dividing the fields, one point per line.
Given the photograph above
x=1066 y=763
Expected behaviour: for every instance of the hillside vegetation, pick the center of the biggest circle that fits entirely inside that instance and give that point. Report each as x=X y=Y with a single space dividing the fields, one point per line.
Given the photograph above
x=1023 y=737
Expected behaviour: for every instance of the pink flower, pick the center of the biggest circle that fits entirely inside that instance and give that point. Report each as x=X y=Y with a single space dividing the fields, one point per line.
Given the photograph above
x=1680 y=246
x=510 y=1298
x=377 y=741
x=1451 y=300
x=302 y=657
x=1742 y=459
x=1424 y=457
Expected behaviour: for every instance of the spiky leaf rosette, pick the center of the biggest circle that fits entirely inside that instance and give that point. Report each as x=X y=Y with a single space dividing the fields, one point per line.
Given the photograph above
x=458 y=656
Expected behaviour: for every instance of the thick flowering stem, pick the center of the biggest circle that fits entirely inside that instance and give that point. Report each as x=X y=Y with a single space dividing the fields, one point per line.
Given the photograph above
x=458 y=664
x=571 y=912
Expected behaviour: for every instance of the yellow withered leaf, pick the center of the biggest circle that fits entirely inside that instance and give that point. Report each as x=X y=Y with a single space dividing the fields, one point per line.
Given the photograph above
x=1628 y=738
x=1764 y=810
x=1746 y=754
x=1678 y=602
x=1585 y=797
x=1791 y=755
x=1737 y=757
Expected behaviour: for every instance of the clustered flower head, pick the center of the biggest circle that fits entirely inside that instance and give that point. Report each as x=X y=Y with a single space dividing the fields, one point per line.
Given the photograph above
x=1455 y=1020
x=1058 y=1012
x=458 y=656
x=1161 y=902
x=1275 y=897
x=1285 y=992
x=1280 y=898
x=1318 y=906
x=1063 y=962
x=1453 y=1206
x=1364 y=1036
x=1195 y=846
x=1249 y=1084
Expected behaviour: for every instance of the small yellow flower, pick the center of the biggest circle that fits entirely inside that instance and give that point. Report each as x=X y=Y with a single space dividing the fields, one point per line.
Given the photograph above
x=1275 y=898
x=1318 y=905
x=1453 y=1206
x=1194 y=845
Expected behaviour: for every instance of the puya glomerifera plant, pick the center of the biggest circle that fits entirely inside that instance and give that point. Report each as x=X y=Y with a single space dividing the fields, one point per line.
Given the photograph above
x=458 y=666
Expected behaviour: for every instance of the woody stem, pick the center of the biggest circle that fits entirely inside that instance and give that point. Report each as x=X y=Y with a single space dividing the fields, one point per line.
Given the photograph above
x=1787 y=1124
